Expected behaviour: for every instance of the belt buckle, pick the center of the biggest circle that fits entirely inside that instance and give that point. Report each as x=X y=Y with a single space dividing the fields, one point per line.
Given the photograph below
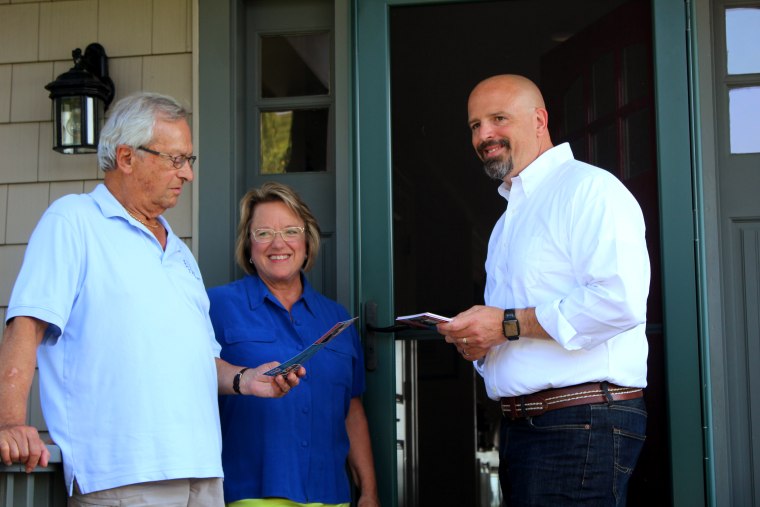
x=509 y=408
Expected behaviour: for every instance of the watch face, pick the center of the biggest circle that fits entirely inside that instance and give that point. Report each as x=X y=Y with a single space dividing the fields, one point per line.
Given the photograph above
x=510 y=328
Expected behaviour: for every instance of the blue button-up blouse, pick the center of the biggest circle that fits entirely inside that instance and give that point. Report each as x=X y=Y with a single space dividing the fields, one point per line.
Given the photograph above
x=292 y=447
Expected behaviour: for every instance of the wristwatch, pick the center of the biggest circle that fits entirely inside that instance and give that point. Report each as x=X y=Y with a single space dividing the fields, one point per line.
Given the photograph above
x=510 y=326
x=236 y=380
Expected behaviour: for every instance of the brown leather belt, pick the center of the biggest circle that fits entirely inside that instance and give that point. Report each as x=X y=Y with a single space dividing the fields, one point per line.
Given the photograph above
x=530 y=405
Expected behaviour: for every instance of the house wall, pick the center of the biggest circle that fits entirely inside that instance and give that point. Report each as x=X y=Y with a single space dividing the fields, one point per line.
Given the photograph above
x=149 y=45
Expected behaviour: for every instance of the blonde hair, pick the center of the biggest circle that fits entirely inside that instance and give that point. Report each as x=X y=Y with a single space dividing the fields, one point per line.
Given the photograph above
x=273 y=191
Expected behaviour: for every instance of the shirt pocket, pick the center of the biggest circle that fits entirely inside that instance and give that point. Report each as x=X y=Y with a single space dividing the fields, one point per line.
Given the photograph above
x=250 y=334
x=543 y=261
x=340 y=356
x=339 y=362
x=251 y=346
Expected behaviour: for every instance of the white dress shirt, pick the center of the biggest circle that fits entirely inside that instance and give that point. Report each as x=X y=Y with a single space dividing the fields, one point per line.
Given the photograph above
x=571 y=244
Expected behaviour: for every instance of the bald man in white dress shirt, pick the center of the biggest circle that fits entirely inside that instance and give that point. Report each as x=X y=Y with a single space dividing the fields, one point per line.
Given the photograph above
x=561 y=342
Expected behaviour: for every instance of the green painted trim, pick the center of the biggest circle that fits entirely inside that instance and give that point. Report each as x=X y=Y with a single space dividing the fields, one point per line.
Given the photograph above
x=374 y=205
x=344 y=155
x=216 y=140
x=701 y=259
x=679 y=273
x=374 y=258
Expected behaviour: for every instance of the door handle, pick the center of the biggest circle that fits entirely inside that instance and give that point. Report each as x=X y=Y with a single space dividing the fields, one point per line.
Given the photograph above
x=370 y=326
x=371 y=329
x=406 y=332
x=388 y=329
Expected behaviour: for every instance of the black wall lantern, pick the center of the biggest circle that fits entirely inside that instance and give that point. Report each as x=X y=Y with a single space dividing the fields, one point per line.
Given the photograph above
x=80 y=98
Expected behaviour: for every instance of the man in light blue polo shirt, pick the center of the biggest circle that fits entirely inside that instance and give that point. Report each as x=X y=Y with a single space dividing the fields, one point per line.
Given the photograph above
x=113 y=304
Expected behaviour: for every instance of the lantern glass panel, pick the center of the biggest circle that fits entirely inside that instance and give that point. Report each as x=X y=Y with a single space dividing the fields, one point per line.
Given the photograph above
x=80 y=119
x=94 y=114
x=70 y=121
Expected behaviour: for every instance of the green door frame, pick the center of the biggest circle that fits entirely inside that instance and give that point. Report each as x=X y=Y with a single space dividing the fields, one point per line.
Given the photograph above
x=375 y=264
x=374 y=256
x=678 y=236
x=219 y=137
x=218 y=179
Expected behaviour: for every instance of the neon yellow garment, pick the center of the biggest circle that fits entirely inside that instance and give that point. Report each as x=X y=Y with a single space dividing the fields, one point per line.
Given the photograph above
x=279 y=502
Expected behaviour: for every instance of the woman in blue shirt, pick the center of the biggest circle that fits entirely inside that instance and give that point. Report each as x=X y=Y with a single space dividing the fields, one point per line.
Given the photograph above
x=292 y=451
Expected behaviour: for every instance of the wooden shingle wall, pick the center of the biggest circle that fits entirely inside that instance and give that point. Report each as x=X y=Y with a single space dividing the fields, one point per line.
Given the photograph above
x=149 y=46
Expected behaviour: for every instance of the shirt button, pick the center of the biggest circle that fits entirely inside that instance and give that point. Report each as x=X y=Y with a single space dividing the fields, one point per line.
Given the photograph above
x=304 y=443
x=305 y=410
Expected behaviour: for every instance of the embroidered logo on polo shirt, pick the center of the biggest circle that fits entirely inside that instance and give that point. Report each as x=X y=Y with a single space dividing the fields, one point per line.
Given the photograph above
x=191 y=269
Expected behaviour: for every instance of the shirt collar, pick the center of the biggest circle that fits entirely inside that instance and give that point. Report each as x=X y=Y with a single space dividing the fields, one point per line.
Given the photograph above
x=258 y=292
x=531 y=177
x=111 y=207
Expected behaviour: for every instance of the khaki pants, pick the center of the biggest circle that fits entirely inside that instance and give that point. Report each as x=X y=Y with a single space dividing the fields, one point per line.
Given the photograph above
x=172 y=493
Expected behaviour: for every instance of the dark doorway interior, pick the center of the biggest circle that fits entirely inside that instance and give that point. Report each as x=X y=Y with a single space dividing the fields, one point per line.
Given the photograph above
x=445 y=206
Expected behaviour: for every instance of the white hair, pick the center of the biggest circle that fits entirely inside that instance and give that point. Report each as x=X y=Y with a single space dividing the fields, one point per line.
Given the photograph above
x=131 y=123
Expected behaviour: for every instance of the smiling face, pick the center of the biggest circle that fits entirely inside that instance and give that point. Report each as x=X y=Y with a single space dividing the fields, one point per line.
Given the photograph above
x=508 y=123
x=278 y=263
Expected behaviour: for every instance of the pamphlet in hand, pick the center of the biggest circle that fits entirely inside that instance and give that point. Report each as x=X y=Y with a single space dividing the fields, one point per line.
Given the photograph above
x=297 y=361
x=425 y=320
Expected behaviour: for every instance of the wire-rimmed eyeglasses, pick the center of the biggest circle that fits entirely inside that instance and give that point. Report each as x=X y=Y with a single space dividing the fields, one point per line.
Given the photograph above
x=177 y=161
x=287 y=234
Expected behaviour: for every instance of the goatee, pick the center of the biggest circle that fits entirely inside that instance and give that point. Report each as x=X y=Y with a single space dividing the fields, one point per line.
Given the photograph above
x=497 y=168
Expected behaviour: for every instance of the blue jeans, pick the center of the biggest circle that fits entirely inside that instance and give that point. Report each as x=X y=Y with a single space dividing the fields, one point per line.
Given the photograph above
x=582 y=455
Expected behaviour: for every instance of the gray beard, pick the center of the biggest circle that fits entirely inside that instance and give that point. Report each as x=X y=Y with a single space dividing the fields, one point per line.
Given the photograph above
x=498 y=169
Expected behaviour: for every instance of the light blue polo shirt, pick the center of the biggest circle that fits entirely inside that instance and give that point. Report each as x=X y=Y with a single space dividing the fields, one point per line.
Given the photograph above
x=127 y=371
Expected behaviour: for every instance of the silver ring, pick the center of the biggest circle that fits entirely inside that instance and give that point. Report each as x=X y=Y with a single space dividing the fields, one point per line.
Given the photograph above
x=464 y=340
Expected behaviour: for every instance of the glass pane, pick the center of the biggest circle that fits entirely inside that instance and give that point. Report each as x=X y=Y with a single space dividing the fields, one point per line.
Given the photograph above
x=294 y=141
x=71 y=121
x=637 y=156
x=604 y=148
x=744 y=119
x=635 y=73
x=575 y=116
x=743 y=40
x=603 y=86
x=295 y=65
x=94 y=113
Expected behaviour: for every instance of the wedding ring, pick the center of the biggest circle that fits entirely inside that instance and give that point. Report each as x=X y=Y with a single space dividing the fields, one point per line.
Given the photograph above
x=464 y=340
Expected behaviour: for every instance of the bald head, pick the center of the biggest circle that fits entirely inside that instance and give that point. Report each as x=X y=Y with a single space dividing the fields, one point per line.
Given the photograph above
x=519 y=88
x=509 y=124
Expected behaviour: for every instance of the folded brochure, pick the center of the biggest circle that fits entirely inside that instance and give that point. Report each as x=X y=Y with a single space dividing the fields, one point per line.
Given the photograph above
x=300 y=358
x=423 y=320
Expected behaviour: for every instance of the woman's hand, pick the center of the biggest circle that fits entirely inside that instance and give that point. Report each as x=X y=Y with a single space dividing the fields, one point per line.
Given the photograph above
x=256 y=383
